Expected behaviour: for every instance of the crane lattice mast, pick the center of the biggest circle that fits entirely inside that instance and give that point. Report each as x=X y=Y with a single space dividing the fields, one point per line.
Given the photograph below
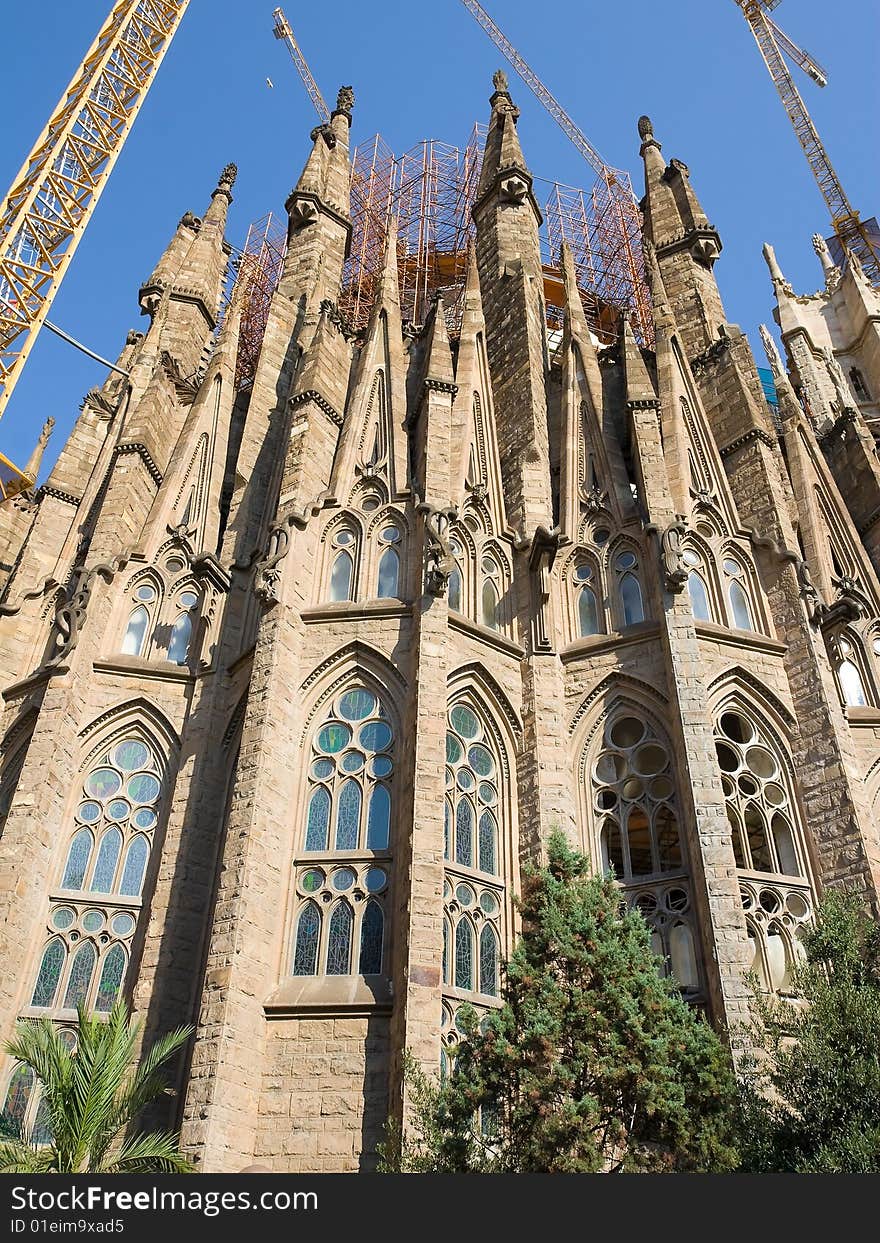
x=772 y=42
x=284 y=31
x=623 y=209
x=51 y=201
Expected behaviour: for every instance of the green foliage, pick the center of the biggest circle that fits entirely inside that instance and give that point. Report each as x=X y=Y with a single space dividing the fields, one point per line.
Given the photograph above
x=811 y=1098
x=92 y=1097
x=594 y=1063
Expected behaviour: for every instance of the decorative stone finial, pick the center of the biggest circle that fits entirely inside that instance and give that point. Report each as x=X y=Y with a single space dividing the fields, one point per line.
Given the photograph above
x=345 y=100
x=821 y=248
x=773 y=356
x=646 y=129
x=500 y=80
x=838 y=379
x=228 y=176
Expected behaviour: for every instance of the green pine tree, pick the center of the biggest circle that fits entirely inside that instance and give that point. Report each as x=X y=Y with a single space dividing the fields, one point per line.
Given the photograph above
x=811 y=1097
x=594 y=1063
x=91 y=1099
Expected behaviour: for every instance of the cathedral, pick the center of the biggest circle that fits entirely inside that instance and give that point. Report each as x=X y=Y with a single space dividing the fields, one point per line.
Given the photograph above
x=297 y=676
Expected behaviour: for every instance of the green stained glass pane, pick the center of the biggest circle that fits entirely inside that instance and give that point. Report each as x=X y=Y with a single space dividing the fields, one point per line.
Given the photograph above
x=80 y=977
x=49 y=974
x=93 y=921
x=379 y=819
x=333 y=738
x=454 y=749
x=103 y=783
x=488 y=961
x=318 y=822
x=355 y=705
x=348 y=817
x=131 y=755
x=464 y=722
x=488 y=793
x=376 y=736
x=488 y=902
x=62 y=918
x=313 y=880
x=144 y=788
x=465 y=779
x=488 y=843
x=111 y=979
x=122 y=925
x=480 y=760
x=447 y=851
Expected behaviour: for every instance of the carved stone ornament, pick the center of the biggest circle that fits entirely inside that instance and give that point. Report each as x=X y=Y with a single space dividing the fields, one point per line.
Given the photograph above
x=440 y=561
x=345 y=99
x=595 y=499
x=838 y=379
x=675 y=572
x=302 y=212
x=809 y=594
x=500 y=80
x=514 y=189
x=326 y=132
x=268 y=577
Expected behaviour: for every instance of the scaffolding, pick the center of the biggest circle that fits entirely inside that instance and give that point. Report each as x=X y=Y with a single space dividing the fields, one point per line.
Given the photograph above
x=428 y=193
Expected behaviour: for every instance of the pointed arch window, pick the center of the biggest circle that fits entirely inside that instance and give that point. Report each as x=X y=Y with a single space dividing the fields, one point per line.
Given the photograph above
x=629 y=587
x=849 y=675
x=9 y=782
x=349 y=811
x=473 y=889
x=586 y=588
x=737 y=595
x=136 y=632
x=94 y=914
x=388 y=585
x=456 y=593
x=696 y=583
x=181 y=632
x=344 y=546
x=490 y=593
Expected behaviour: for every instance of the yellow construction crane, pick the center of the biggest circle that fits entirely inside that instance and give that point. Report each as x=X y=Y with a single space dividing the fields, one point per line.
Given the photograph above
x=283 y=31
x=624 y=208
x=46 y=211
x=772 y=42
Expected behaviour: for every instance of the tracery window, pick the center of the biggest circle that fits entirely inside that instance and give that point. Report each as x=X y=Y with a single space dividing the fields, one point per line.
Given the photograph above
x=344 y=864
x=94 y=910
x=629 y=589
x=588 y=595
x=140 y=621
x=635 y=811
x=737 y=595
x=456 y=585
x=849 y=675
x=344 y=545
x=181 y=631
x=491 y=592
x=697 y=585
x=473 y=889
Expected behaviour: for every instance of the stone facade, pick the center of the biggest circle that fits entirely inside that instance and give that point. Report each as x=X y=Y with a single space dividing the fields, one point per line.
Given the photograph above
x=296 y=679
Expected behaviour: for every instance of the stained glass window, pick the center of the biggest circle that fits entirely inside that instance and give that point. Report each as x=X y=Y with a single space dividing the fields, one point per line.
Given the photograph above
x=112 y=972
x=372 y=931
x=18 y=1096
x=699 y=597
x=80 y=978
x=77 y=860
x=348 y=816
x=178 y=645
x=388 y=585
x=135 y=866
x=379 y=823
x=464 y=955
x=340 y=577
x=631 y=598
x=308 y=935
x=455 y=590
x=736 y=593
x=318 y=819
x=108 y=857
x=339 y=940
x=488 y=861
x=464 y=833
x=488 y=961
x=49 y=974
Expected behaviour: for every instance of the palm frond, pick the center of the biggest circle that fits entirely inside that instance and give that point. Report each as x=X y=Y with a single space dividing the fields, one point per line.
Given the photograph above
x=154 y=1153
x=18 y=1157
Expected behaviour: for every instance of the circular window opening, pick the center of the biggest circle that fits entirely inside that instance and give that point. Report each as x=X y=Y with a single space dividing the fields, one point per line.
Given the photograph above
x=761 y=762
x=626 y=732
x=650 y=759
x=727 y=758
x=736 y=727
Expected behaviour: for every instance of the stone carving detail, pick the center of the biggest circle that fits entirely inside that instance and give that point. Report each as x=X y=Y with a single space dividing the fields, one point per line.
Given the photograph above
x=268 y=577
x=326 y=132
x=773 y=356
x=838 y=379
x=500 y=80
x=302 y=212
x=675 y=573
x=440 y=561
x=337 y=319
x=345 y=100
x=809 y=594
x=595 y=499
x=514 y=189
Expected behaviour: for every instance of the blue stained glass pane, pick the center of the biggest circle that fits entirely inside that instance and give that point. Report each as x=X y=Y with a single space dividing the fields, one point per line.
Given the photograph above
x=488 y=962
x=80 y=976
x=355 y=705
x=89 y=812
x=308 y=933
x=353 y=761
x=454 y=749
x=333 y=738
x=77 y=860
x=135 y=866
x=178 y=644
x=631 y=598
x=389 y=573
x=379 y=820
x=480 y=760
x=381 y=766
x=588 y=614
x=455 y=590
x=144 y=788
x=447 y=936
x=49 y=974
x=339 y=941
x=103 y=783
x=376 y=736
x=464 y=956
x=464 y=833
x=131 y=755
x=111 y=979
x=372 y=932
x=318 y=823
x=488 y=839
x=322 y=769
x=348 y=816
x=118 y=809
x=144 y=818
x=739 y=603
x=108 y=857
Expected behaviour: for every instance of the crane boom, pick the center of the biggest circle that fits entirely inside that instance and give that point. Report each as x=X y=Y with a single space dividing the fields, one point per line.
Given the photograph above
x=284 y=31
x=845 y=219
x=51 y=201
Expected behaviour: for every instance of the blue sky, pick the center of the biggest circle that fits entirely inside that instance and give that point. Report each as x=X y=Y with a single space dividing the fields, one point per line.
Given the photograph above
x=424 y=70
